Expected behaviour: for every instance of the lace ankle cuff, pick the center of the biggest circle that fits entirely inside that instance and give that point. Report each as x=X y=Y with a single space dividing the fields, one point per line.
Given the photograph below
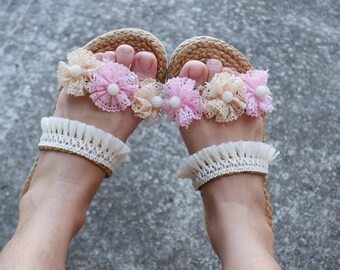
x=96 y=145
x=227 y=158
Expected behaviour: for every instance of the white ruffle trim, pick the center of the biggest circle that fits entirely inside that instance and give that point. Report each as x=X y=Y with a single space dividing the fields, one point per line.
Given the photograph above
x=84 y=140
x=227 y=158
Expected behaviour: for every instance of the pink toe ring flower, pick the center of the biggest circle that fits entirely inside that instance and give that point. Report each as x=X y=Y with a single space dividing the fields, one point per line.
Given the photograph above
x=182 y=101
x=258 y=99
x=113 y=86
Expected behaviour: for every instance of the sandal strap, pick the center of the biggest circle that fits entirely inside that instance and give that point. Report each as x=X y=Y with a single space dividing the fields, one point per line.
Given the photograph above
x=96 y=145
x=227 y=158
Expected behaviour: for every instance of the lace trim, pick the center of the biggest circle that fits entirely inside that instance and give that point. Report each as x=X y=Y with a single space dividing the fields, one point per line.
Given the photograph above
x=227 y=158
x=84 y=140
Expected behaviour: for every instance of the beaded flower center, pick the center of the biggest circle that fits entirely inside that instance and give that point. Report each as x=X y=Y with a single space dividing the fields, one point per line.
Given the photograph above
x=227 y=97
x=113 y=89
x=261 y=91
x=156 y=101
x=75 y=71
x=175 y=102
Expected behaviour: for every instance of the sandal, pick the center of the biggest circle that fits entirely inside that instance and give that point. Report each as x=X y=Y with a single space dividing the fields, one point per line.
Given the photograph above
x=236 y=91
x=83 y=75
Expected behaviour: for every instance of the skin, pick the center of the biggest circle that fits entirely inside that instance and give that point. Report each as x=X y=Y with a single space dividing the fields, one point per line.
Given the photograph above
x=54 y=208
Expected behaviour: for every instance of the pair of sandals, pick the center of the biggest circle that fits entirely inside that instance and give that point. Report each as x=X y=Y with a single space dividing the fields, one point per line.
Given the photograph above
x=112 y=87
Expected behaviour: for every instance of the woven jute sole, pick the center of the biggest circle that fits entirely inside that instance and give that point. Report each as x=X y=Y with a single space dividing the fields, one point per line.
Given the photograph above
x=140 y=40
x=203 y=48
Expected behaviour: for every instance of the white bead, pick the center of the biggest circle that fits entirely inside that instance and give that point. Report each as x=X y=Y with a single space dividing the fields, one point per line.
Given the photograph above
x=175 y=102
x=75 y=71
x=113 y=89
x=227 y=96
x=261 y=91
x=156 y=101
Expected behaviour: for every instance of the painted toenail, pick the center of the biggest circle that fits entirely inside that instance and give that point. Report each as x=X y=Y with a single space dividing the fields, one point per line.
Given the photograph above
x=127 y=50
x=195 y=73
x=213 y=62
x=145 y=63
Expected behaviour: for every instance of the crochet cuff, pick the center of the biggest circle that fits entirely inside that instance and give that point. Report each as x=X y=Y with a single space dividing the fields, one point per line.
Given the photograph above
x=227 y=158
x=84 y=140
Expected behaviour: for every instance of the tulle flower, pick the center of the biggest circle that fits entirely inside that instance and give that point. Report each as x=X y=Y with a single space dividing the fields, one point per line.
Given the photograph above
x=182 y=102
x=224 y=97
x=75 y=76
x=148 y=100
x=258 y=97
x=113 y=86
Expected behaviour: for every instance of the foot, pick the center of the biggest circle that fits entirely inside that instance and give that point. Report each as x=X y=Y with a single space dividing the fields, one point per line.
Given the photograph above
x=64 y=184
x=234 y=205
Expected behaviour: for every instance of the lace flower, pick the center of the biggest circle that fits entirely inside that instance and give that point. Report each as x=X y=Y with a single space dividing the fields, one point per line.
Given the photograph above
x=75 y=76
x=182 y=102
x=258 y=97
x=113 y=86
x=148 y=100
x=224 y=98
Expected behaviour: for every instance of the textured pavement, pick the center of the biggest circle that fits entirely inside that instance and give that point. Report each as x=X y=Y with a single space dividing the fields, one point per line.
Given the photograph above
x=143 y=218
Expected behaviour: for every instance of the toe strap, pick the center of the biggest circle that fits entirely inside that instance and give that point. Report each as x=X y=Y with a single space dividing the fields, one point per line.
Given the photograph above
x=227 y=158
x=96 y=145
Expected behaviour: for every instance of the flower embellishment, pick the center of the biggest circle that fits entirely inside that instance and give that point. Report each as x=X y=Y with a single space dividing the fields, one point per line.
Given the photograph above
x=182 y=102
x=75 y=76
x=113 y=87
x=224 y=97
x=148 y=100
x=258 y=97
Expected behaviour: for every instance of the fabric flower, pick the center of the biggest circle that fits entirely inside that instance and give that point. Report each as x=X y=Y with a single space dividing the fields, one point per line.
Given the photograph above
x=258 y=97
x=182 y=102
x=113 y=86
x=148 y=100
x=224 y=98
x=75 y=76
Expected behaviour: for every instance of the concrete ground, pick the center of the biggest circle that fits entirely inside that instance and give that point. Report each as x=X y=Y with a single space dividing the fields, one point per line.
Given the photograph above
x=143 y=217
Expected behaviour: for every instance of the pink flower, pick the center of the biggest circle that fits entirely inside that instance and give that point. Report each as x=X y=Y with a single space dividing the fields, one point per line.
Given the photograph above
x=113 y=87
x=182 y=102
x=258 y=99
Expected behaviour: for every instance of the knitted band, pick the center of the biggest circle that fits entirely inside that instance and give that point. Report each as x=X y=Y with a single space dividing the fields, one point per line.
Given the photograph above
x=227 y=158
x=87 y=141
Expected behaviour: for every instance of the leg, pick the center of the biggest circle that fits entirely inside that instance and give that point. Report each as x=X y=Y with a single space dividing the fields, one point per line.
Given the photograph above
x=54 y=208
x=234 y=205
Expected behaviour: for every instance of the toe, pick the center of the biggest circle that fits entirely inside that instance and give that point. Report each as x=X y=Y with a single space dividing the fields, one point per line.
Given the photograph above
x=110 y=55
x=125 y=55
x=145 y=65
x=214 y=66
x=195 y=70
x=99 y=56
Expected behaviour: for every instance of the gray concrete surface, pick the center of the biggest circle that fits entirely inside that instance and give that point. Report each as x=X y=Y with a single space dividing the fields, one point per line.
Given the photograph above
x=143 y=218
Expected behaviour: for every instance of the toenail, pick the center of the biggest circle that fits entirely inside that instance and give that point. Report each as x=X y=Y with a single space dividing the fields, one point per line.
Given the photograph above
x=195 y=73
x=213 y=62
x=145 y=63
x=127 y=50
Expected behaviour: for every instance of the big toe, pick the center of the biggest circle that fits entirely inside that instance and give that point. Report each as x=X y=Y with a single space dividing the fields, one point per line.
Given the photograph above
x=125 y=54
x=195 y=70
x=144 y=65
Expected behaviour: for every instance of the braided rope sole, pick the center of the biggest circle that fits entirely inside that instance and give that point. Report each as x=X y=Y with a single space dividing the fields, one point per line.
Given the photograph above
x=140 y=40
x=203 y=48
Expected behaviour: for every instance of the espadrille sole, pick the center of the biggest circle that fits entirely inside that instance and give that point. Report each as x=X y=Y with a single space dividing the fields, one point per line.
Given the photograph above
x=140 y=40
x=203 y=48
